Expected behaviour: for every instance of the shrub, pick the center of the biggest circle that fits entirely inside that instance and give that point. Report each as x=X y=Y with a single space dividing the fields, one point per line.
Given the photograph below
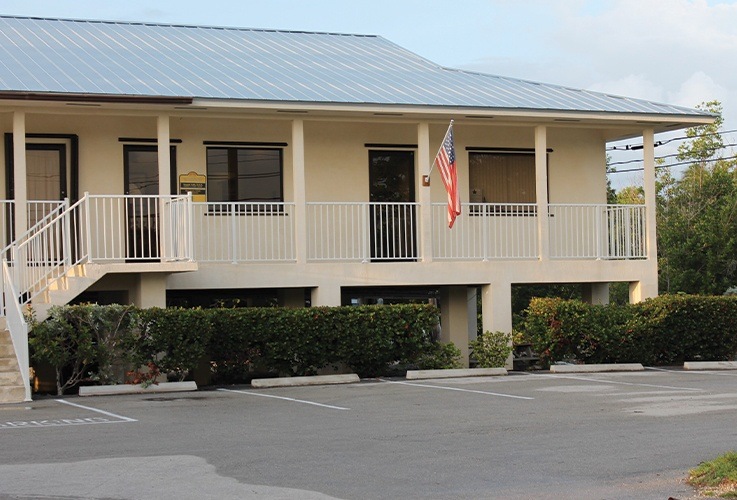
x=439 y=356
x=491 y=349
x=85 y=342
x=665 y=330
x=174 y=339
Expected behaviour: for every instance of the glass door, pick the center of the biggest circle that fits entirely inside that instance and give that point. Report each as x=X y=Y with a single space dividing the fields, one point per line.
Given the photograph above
x=392 y=213
x=141 y=164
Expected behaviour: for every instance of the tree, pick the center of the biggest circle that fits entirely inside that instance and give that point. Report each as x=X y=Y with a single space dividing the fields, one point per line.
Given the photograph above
x=697 y=215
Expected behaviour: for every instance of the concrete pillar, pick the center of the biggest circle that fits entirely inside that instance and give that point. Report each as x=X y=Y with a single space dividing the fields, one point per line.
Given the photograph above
x=641 y=290
x=541 y=191
x=472 y=311
x=326 y=295
x=424 y=192
x=299 y=191
x=595 y=293
x=648 y=157
x=150 y=290
x=291 y=297
x=454 y=318
x=19 y=173
x=496 y=310
x=163 y=139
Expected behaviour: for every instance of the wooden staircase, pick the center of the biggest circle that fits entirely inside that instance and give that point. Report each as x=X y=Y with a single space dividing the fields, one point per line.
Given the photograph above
x=11 y=381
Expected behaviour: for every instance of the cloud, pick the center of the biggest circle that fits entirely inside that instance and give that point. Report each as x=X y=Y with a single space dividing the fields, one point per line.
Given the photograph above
x=631 y=86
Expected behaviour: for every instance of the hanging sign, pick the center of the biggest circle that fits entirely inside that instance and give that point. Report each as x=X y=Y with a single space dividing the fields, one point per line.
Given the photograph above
x=194 y=183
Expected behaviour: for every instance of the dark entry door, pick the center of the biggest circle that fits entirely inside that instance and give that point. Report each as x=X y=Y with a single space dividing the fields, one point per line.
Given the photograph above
x=141 y=165
x=392 y=194
x=46 y=178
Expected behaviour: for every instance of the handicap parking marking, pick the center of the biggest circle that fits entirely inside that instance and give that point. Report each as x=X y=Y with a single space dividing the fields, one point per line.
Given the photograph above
x=63 y=422
x=284 y=398
x=442 y=387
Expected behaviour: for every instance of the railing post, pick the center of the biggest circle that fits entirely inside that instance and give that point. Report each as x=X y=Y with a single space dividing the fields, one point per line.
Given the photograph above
x=67 y=236
x=364 y=232
x=87 y=223
x=598 y=230
x=189 y=227
x=234 y=243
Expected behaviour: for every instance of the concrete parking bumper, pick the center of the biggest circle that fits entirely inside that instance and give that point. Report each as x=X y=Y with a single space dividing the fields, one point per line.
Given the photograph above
x=605 y=367
x=349 y=378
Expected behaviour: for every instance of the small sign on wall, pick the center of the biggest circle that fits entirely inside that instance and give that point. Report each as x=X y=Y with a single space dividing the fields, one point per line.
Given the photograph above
x=194 y=183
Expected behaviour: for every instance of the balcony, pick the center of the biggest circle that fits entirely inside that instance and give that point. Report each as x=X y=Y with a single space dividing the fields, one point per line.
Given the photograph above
x=125 y=229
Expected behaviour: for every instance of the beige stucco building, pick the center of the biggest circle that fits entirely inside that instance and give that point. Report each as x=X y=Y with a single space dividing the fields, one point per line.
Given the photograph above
x=164 y=165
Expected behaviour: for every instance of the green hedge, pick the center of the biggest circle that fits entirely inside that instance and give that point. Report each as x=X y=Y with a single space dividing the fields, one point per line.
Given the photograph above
x=666 y=330
x=302 y=341
x=238 y=343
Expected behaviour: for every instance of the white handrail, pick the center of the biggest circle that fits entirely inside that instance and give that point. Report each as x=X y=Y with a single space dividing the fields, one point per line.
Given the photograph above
x=18 y=328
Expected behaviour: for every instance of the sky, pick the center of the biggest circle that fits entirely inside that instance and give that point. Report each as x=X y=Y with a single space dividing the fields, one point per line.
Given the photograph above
x=681 y=52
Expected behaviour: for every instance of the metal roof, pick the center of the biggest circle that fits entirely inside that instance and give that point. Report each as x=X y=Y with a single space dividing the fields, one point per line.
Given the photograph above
x=141 y=59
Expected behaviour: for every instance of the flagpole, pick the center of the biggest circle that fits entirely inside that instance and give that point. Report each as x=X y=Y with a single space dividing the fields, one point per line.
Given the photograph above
x=436 y=154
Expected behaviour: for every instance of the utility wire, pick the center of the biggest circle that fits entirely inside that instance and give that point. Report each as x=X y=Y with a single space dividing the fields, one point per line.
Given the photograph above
x=725 y=146
x=640 y=169
x=635 y=147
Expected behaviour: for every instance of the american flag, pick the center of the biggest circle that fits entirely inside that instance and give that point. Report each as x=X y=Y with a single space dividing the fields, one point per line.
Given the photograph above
x=446 y=162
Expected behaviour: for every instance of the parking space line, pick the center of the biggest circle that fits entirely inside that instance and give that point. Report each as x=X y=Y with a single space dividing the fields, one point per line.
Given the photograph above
x=251 y=393
x=442 y=387
x=693 y=372
x=124 y=419
x=614 y=382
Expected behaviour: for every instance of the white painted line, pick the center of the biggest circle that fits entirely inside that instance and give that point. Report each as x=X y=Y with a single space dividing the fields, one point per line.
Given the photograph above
x=427 y=386
x=124 y=419
x=693 y=372
x=613 y=382
x=285 y=399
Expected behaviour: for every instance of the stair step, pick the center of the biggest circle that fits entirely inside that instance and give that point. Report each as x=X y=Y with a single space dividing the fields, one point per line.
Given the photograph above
x=12 y=394
x=8 y=364
x=10 y=378
x=7 y=350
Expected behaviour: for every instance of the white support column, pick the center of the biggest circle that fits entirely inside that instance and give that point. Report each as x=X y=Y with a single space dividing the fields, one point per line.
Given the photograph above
x=299 y=190
x=496 y=310
x=648 y=157
x=595 y=293
x=424 y=192
x=325 y=295
x=647 y=287
x=163 y=138
x=454 y=318
x=150 y=290
x=541 y=191
x=19 y=173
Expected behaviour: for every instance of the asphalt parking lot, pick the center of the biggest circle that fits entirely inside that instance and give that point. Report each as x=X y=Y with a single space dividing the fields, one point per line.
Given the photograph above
x=523 y=436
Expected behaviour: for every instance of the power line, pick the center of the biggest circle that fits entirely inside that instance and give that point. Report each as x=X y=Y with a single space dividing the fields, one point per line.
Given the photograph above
x=635 y=147
x=640 y=169
x=625 y=162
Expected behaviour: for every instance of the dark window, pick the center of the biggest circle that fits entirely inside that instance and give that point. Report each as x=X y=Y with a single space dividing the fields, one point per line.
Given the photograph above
x=244 y=174
x=502 y=177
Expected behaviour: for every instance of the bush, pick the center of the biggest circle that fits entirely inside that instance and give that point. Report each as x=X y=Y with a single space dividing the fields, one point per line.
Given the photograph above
x=302 y=341
x=175 y=340
x=491 y=349
x=665 y=330
x=439 y=356
x=85 y=342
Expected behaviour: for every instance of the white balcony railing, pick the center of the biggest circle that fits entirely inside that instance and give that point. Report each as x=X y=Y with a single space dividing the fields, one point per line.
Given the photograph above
x=597 y=231
x=362 y=231
x=486 y=231
x=243 y=232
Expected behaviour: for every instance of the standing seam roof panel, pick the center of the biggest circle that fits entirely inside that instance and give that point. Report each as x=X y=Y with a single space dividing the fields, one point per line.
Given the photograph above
x=97 y=57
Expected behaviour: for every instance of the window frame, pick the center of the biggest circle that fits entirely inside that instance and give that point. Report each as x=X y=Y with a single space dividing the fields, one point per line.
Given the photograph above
x=494 y=208
x=239 y=207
